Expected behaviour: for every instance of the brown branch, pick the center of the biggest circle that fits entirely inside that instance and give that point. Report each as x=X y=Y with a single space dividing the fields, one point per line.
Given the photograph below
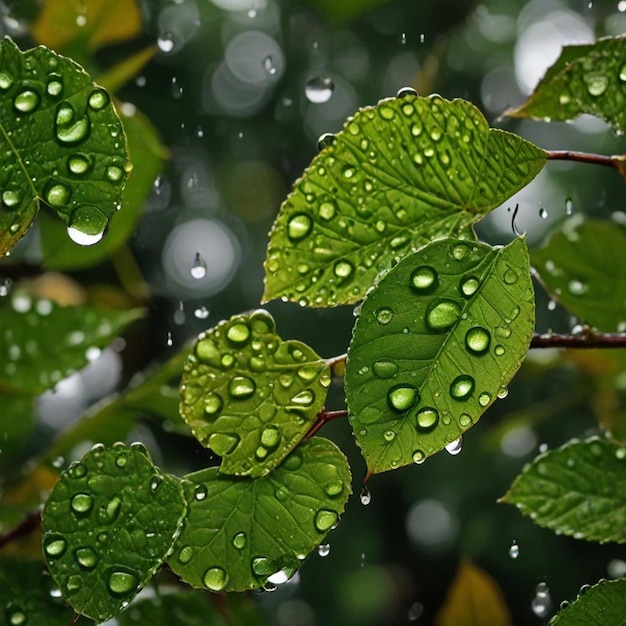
x=585 y=157
x=323 y=417
x=584 y=340
x=28 y=524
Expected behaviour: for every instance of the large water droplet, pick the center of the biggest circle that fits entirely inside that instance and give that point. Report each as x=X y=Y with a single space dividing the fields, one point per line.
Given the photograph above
x=325 y=520
x=442 y=315
x=6 y=80
x=241 y=387
x=384 y=315
x=270 y=436
x=418 y=457
x=238 y=333
x=54 y=546
x=462 y=387
x=326 y=140
x=384 y=368
x=98 y=99
x=323 y=549
x=79 y=164
x=57 y=194
x=541 y=604
x=70 y=129
x=215 y=578
x=263 y=566
x=240 y=540
x=319 y=89
x=484 y=398
x=424 y=279
x=299 y=226
x=122 y=583
x=199 y=492
x=86 y=558
x=223 y=443
x=213 y=404
x=477 y=340
x=427 y=418
x=87 y=225
x=455 y=446
x=510 y=277
x=406 y=92
x=343 y=269
x=402 y=397
x=334 y=488
x=81 y=503
x=198 y=268
x=304 y=399
x=468 y=286
x=596 y=83
x=26 y=101
x=11 y=198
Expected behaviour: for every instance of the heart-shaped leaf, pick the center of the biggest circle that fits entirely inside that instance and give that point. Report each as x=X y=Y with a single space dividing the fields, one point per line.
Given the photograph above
x=588 y=78
x=400 y=174
x=108 y=525
x=241 y=533
x=41 y=342
x=591 y=285
x=249 y=395
x=579 y=490
x=436 y=341
x=62 y=142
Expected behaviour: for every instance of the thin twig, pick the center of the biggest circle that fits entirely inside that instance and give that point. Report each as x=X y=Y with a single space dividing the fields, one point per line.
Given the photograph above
x=586 y=340
x=323 y=417
x=585 y=157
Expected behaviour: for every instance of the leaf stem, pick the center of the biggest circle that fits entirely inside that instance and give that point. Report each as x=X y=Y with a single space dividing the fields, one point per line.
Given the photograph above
x=323 y=417
x=585 y=157
x=26 y=526
x=584 y=340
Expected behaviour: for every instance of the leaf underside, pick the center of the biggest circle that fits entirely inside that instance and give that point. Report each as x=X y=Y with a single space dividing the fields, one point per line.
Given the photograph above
x=108 y=525
x=592 y=285
x=61 y=142
x=241 y=533
x=577 y=490
x=585 y=79
x=436 y=341
x=249 y=395
x=399 y=175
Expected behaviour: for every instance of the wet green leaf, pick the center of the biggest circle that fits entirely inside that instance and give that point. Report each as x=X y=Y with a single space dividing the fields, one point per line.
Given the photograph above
x=250 y=396
x=603 y=604
x=583 y=267
x=243 y=533
x=41 y=343
x=63 y=143
x=578 y=490
x=435 y=343
x=108 y=525
x=400 y=174
x=588 y=78
x=28 y=596
x=60 y=253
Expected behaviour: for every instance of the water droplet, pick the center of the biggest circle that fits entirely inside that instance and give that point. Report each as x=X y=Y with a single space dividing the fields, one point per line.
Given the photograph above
x=215 y=578
x=622 y=72
x=155 y=482
x=299 y=226
x=199 y=492
x=57 y=194
x=68 y=128
x=201 y=313
x=263 y=566
x=569 y=206
x=334 y=488
x=293 y=462
x=384 y=315
x=269 y=65
x=477 y=340
x=424 y=279
x=79 y=164
x=87 y=225
x=6 y=80
x=503 y=392
x=499 y=350
x=223 y=443
x=213 y=404
x=112 y=509
x=418 y=457
x=270 y=436
x=384 y=369
x=465 y=420
x=323 y=549
x=468 y=286
x=541 y=604
x=484 y=398
x=199 y=267
x=319 y=89
x=370 y=414
x=543 y=214
x=326 y=210
x=122 y=583
x=82 y=503
x=389 y=435
x=26 y=101
x=11 y=198
x=238 y=333
x=240 y=540
x=54 y=546
x=16 y=616
x=165 y=42
x=455 y=446
x=596 y=83
x=462 y=387
x=510 y=277
x=241 y=387
x=406 y=92
x=325 y=520
x=114 y=173
x=98 y=99
x=77 y=470
x=86 y=558
x=442 y=315
x=343 y=269
x=577 y=288
x=402 y=397
x=365 y=496
x=185 y=554
x=427 y=418
x=326 y=140
x=514 y=550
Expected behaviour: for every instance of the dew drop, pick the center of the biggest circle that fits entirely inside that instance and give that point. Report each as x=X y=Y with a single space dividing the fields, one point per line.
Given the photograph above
x=199 y=492
x=114 y=173
x=223 y=443
x=424 y=279
x=389 y=436
x=406 y=92
x=122 y=583
x=57 y=194
x=484 y=398
x=165 y=42
x=26 y=101
x=86 y=558
x=98 y=99
x=543 y=214
x=240 y=540
x=418 y=457
x=334 y=488
x=462 y=387
x=402 y=397
x=343 y=269
x=577 y=288
x=541 y=604
x=11 y=198
x=477 y=340
x=465 y=420
x=69 y=129
x=270 y=436
x=293 y=462
x=299 y=226
x=442 y=315
x=468 y=286
x=514 y=550
x=510 y=277
x=596 y=83
x=238 y=333
x=304 y=399
x=326 y=140
x=201 y=313
x=6 y=80
x=199 y=267
x=81 y=503
x=87 y=225
x=384 y=315
x=319 y=89
x=325 y=520
x=213 y=404
x=16 y=616
x=241 y=387
x=79 y=164
x=269 y=65
x=384 y=368
x=455 y=446
x=185 y=554
x=263 y=566
x=215 y=578
x=427 y=418
x=499 y=350
x=54 y=546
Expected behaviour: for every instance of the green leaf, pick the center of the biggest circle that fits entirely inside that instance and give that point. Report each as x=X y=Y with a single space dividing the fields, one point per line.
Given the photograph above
x=436 y=341
x=28 y=595
x=17 y=426
x=584 y=268
x=399 y=175
x=62 y=142
x=44 y=343
x=108 y=525
x=578 y=490
x=585 y=79
x=250 y=396
x=60 y=253
x=241 y=533
x=603 y=604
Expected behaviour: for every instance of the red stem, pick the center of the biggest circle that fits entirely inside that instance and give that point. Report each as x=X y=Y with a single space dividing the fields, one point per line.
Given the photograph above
x=584 y=157
x=323 y=417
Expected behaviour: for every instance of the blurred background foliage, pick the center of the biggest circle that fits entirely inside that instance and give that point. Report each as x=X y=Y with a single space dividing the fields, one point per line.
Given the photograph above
x=223 y=103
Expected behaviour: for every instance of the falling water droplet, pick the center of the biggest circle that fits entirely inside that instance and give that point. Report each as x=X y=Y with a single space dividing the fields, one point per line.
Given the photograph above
x=269 y=65
x=455 y=446
x=165 y=42
x=199 y=267
x=514 y=550
x=569 y=208
x=541 y=604
x=319 y=89
x=87 y=225
x=543 y=214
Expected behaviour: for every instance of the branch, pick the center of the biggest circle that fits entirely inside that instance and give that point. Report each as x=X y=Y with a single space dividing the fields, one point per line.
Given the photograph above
x=30 y=523
x=585 y=157
x=585 y=340
x=323 y=417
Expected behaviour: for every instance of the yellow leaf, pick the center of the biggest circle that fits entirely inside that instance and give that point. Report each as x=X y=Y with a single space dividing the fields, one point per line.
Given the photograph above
x=99 y=22
x=474 y=599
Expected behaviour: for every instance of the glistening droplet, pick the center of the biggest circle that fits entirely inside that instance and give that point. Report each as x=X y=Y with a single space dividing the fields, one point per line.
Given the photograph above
x=424 y=279
x=477 y=340
x=299 y=226
x=87 y=225
x=442 y=314
x=427 y=418
x=319 y=89
x=325 y=520
x=462 y=387
x=215 y=578
x=402 y=397
x=199 y=267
